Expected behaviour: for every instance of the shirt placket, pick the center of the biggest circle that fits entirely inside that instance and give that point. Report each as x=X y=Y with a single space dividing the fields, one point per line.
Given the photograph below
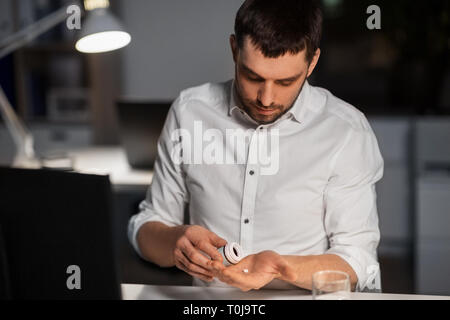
x=252 y=173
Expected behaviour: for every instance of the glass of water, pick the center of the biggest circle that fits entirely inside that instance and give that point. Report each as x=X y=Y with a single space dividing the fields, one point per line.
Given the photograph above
x=331 y=285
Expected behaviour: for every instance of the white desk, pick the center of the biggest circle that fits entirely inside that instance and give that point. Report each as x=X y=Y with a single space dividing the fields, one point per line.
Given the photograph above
x=147 y=292
x=110 y=161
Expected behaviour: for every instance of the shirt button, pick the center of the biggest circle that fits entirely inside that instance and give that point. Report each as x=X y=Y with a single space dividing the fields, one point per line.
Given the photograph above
x=252 y=172
x=246 y=221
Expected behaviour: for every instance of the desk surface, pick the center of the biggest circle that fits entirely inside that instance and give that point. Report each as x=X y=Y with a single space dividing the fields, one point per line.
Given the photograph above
x=148 y=292
x=110 y=161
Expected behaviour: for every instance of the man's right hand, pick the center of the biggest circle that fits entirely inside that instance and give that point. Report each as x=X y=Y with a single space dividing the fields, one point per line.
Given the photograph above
x=190 y=242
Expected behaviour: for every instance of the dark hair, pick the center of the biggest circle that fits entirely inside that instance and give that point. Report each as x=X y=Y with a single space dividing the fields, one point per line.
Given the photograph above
x=277 y=27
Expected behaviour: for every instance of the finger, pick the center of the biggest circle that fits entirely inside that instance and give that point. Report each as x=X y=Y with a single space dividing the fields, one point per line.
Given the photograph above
x=194 y=255
x=200 y=276
x=210 y=250
x=216 y=267
x=191 y=266
x=217 y=241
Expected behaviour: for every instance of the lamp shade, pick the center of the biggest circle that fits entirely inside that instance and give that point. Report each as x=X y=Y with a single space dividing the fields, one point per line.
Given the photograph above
x=101 y=32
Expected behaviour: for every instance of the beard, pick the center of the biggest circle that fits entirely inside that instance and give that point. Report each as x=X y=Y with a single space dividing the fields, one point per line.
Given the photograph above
x=250 y=106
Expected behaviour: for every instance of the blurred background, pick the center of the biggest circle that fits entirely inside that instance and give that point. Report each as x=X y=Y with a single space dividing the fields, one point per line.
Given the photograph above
x=399 y=76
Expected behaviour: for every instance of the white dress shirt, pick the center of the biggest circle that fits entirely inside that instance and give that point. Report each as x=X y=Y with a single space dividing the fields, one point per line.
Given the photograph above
x=319 y=198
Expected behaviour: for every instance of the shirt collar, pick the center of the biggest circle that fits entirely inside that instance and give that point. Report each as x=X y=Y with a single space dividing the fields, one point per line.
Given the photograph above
x=297 y=111
x=302 y=103
x=233 y=99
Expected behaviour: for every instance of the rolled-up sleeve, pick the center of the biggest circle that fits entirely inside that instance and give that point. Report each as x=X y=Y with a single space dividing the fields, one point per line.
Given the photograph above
x=351 y=218
x=166 y=197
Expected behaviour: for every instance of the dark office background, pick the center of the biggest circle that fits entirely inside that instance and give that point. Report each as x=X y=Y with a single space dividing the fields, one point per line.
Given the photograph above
x=398 y=76
x=401 y=69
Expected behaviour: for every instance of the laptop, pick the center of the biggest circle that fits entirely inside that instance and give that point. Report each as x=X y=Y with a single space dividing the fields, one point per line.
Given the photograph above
x=140 y=125
x=57 y=236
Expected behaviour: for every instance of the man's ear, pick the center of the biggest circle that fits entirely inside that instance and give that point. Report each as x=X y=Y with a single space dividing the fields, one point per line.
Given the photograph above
x=234 y=47
x=313 y=63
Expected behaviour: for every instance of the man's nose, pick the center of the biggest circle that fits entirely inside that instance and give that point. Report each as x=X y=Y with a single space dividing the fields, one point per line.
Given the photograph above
x=266 y=94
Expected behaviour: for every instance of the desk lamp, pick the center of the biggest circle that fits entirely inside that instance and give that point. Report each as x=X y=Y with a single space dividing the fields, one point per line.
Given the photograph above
x=100 y=32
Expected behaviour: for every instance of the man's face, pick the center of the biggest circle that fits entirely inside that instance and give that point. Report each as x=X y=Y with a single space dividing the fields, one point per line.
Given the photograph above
x=268 y=87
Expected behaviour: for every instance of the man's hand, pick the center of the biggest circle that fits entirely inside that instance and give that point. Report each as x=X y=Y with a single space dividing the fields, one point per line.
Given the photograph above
x=262 y=268
x=190 y=242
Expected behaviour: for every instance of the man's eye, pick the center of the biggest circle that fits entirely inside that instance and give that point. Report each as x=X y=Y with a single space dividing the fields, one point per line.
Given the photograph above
x=285 y=83
x=255 y=79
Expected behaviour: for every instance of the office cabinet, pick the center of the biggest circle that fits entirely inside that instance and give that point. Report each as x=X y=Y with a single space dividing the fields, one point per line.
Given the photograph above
x=432 y=232
x=393 y=190
x=432 y=256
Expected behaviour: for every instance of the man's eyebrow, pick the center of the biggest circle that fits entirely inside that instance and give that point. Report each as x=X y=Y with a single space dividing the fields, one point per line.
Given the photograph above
x=247 y=69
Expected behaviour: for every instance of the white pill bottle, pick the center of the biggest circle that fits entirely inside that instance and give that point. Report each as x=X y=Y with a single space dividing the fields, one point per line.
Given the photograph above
x=232 y=253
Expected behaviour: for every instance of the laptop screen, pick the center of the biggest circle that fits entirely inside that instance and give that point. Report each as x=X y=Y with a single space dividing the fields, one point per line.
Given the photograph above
x=58 y=235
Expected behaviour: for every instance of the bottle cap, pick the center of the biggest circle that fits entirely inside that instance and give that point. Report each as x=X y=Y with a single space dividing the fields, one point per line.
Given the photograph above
x=233 y=253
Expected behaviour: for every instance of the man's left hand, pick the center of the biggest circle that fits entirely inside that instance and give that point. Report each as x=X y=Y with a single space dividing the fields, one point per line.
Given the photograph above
x=254 y=271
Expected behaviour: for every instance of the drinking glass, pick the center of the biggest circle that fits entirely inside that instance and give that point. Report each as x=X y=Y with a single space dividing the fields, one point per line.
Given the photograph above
x=331 y=285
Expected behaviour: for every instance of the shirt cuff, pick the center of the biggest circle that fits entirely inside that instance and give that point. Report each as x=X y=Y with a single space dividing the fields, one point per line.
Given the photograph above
x=367 y=269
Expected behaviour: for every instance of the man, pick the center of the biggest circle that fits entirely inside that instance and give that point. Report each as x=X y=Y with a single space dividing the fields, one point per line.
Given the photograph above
x=314 y=210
